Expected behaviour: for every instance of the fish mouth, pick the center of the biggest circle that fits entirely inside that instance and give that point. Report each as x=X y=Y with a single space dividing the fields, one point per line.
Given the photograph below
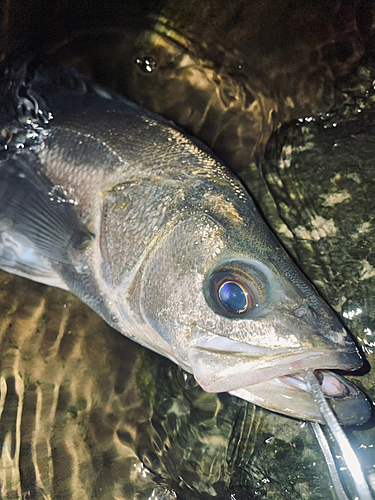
x=222 y=365
x=292 y=396
x=274 y=377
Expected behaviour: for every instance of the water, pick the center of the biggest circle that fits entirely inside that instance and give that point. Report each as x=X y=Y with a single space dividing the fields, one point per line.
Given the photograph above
x=88 y=414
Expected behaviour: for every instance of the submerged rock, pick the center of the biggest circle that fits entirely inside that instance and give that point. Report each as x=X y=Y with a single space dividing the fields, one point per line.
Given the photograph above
x=128 y=421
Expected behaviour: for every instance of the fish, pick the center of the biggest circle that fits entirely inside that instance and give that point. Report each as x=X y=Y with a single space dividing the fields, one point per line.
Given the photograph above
x=152 y=231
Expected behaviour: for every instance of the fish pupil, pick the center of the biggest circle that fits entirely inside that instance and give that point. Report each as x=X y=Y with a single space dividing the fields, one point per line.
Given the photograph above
x=233 y=296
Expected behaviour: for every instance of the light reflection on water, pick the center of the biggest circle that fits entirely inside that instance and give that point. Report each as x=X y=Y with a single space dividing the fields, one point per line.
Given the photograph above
x=111 y=419
x=352 y=313
x=196 y=444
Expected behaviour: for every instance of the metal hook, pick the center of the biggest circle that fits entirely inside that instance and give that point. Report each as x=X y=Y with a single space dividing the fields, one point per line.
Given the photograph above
x=352 y=462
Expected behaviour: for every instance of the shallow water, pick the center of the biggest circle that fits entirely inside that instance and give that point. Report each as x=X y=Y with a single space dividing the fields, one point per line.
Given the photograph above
x=87 y=413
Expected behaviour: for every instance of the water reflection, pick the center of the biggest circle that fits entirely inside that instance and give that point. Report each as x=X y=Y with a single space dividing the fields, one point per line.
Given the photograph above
x=88 y=414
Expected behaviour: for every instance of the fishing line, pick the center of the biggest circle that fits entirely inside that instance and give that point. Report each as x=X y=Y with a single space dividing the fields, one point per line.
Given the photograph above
x=342 y=441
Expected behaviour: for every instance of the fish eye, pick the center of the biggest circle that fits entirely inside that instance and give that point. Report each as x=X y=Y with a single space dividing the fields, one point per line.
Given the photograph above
x=233 y=294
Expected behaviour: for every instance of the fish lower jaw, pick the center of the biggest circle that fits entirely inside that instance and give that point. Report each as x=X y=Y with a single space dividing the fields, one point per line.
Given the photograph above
x=291 y=395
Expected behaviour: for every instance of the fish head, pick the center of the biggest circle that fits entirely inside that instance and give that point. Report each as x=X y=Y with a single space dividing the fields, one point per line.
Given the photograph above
x=232 y=305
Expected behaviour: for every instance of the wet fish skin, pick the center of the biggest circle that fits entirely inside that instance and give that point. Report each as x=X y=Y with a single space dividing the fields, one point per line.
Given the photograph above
x=135 y=218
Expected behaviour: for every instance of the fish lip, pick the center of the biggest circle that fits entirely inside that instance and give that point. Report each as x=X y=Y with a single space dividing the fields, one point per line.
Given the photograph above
x=216 y=343
x=253 y=364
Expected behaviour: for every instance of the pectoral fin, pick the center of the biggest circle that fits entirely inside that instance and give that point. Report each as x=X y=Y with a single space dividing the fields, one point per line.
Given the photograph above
x=42 y=225
x=19 y=256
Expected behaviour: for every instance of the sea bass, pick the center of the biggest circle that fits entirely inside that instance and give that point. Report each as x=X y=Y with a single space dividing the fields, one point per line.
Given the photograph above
x=154 y=233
